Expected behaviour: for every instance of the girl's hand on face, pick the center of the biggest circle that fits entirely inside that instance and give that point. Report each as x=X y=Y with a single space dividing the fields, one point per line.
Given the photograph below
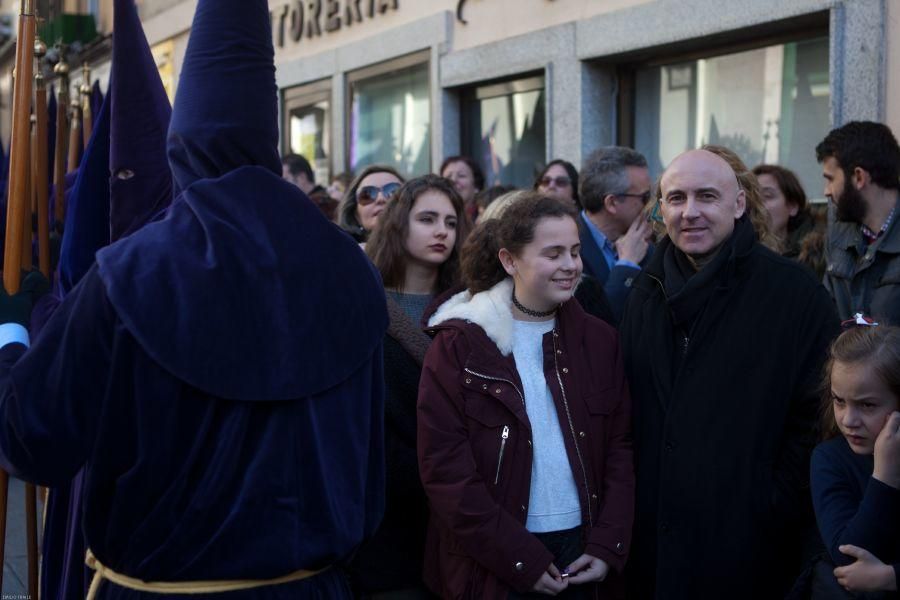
x=887 y=452
x=551 y=582
x=867 y=574
x=587 y=569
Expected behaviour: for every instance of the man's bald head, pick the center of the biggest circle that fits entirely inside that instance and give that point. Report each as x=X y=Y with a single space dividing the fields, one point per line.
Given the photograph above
x=701 y=199
x=705 y=163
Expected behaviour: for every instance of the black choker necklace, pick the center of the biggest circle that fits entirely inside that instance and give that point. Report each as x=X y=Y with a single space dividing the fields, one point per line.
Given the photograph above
x=528 y=311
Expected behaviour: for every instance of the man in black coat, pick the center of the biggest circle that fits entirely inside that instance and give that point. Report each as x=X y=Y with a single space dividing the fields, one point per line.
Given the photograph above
x=724 y=342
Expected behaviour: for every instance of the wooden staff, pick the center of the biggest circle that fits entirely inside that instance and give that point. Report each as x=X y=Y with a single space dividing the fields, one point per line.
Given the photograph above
x=40 y=179
x=62 y=139
x=19 y=146
x=75 y=145
x=39 y=184
x=27 y=229
x=87 y=116
x=17 y=200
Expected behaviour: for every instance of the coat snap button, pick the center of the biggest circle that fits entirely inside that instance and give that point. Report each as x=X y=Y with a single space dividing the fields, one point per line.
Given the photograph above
x=523 y=508
x=468 y=380
x=565 y=369
x=582 y=434
x=529 y=443
x=594 y=496
x=559 y=351
x=484 y=386
x=620 y=547
x=497 y=391
x=520 y=566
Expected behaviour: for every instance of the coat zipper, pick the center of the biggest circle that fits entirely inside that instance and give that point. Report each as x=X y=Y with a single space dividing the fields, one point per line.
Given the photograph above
x=587 y=491
x=503 y=437
x=483 y=376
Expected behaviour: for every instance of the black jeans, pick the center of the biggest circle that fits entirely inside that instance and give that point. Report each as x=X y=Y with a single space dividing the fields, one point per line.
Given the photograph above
x=565 y=546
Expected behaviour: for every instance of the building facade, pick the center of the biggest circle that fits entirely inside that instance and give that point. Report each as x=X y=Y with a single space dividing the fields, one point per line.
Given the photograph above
x=515 y=83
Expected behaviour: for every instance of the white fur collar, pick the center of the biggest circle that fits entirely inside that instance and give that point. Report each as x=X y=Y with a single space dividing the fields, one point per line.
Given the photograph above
x=491 y=310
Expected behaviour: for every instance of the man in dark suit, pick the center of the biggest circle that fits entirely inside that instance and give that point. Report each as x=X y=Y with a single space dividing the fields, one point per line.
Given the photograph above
x=615 y=186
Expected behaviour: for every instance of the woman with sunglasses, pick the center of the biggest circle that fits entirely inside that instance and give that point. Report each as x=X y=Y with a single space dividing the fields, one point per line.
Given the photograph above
x=560 y=180
x=416 y=249
x=366 y=198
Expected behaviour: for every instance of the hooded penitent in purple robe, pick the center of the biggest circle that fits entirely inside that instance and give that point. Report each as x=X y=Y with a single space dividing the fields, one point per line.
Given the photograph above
x=141 y=181
x=87 y=208
x=138 y=185
x=86 y=231
x=221 y=367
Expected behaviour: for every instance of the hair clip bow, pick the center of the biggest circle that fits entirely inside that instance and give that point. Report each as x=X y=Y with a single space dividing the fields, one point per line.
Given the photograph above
x=859 y=320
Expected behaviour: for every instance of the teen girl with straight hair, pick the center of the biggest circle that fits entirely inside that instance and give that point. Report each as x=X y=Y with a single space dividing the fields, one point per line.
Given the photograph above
x=415 y=247
x=855 y=474
x=524 y=421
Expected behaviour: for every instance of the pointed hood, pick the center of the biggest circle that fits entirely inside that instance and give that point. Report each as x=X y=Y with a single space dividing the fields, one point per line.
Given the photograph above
x=268 y=300
x=141 y=184
x=226 y=112
x=96 y=97
x=87 y=212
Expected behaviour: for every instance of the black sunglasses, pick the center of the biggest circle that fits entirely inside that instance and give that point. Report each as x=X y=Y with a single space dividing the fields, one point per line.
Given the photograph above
x=368 y=195
x=561 y=181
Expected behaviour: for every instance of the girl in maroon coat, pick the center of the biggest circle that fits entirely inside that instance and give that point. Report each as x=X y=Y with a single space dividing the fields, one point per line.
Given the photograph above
x=523 y=422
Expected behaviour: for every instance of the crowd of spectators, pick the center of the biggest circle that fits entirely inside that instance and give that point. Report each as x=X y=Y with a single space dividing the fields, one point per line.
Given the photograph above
x=613 y=384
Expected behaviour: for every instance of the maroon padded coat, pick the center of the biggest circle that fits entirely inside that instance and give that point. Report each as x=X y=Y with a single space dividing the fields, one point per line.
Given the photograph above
x=474 y=445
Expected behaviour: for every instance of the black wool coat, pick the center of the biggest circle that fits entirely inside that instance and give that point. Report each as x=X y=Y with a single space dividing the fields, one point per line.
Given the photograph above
x=723 y=430
x=392 y=558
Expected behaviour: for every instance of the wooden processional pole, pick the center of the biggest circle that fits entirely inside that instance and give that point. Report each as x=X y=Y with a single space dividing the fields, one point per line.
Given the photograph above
x=18 y=200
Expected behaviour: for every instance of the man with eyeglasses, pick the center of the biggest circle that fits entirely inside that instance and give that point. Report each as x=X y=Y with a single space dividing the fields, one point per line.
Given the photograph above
x=723 y=342
x=615 y=186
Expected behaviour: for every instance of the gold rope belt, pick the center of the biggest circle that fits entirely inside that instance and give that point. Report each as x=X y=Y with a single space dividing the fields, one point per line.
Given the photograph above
x=182 y=587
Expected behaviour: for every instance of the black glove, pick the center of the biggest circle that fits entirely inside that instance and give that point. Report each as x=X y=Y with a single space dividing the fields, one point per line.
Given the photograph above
x=17 y=308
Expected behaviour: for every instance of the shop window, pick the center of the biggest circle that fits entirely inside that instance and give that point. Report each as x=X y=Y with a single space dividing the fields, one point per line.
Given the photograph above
x=768 y=104
x=390 y=116
x=306 y=128
x=504 y=129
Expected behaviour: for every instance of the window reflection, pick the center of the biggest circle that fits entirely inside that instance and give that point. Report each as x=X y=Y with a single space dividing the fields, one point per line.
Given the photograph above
x=505 y=131
x=309 y=136
x=390 y=121
x=769 y=105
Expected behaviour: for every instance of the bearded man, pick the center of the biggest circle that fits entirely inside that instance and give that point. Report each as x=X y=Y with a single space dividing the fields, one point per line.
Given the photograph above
x=861 y=166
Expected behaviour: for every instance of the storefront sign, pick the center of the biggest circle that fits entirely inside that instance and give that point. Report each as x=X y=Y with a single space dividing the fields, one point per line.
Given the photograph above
x=309 y=19
x=459 y=11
